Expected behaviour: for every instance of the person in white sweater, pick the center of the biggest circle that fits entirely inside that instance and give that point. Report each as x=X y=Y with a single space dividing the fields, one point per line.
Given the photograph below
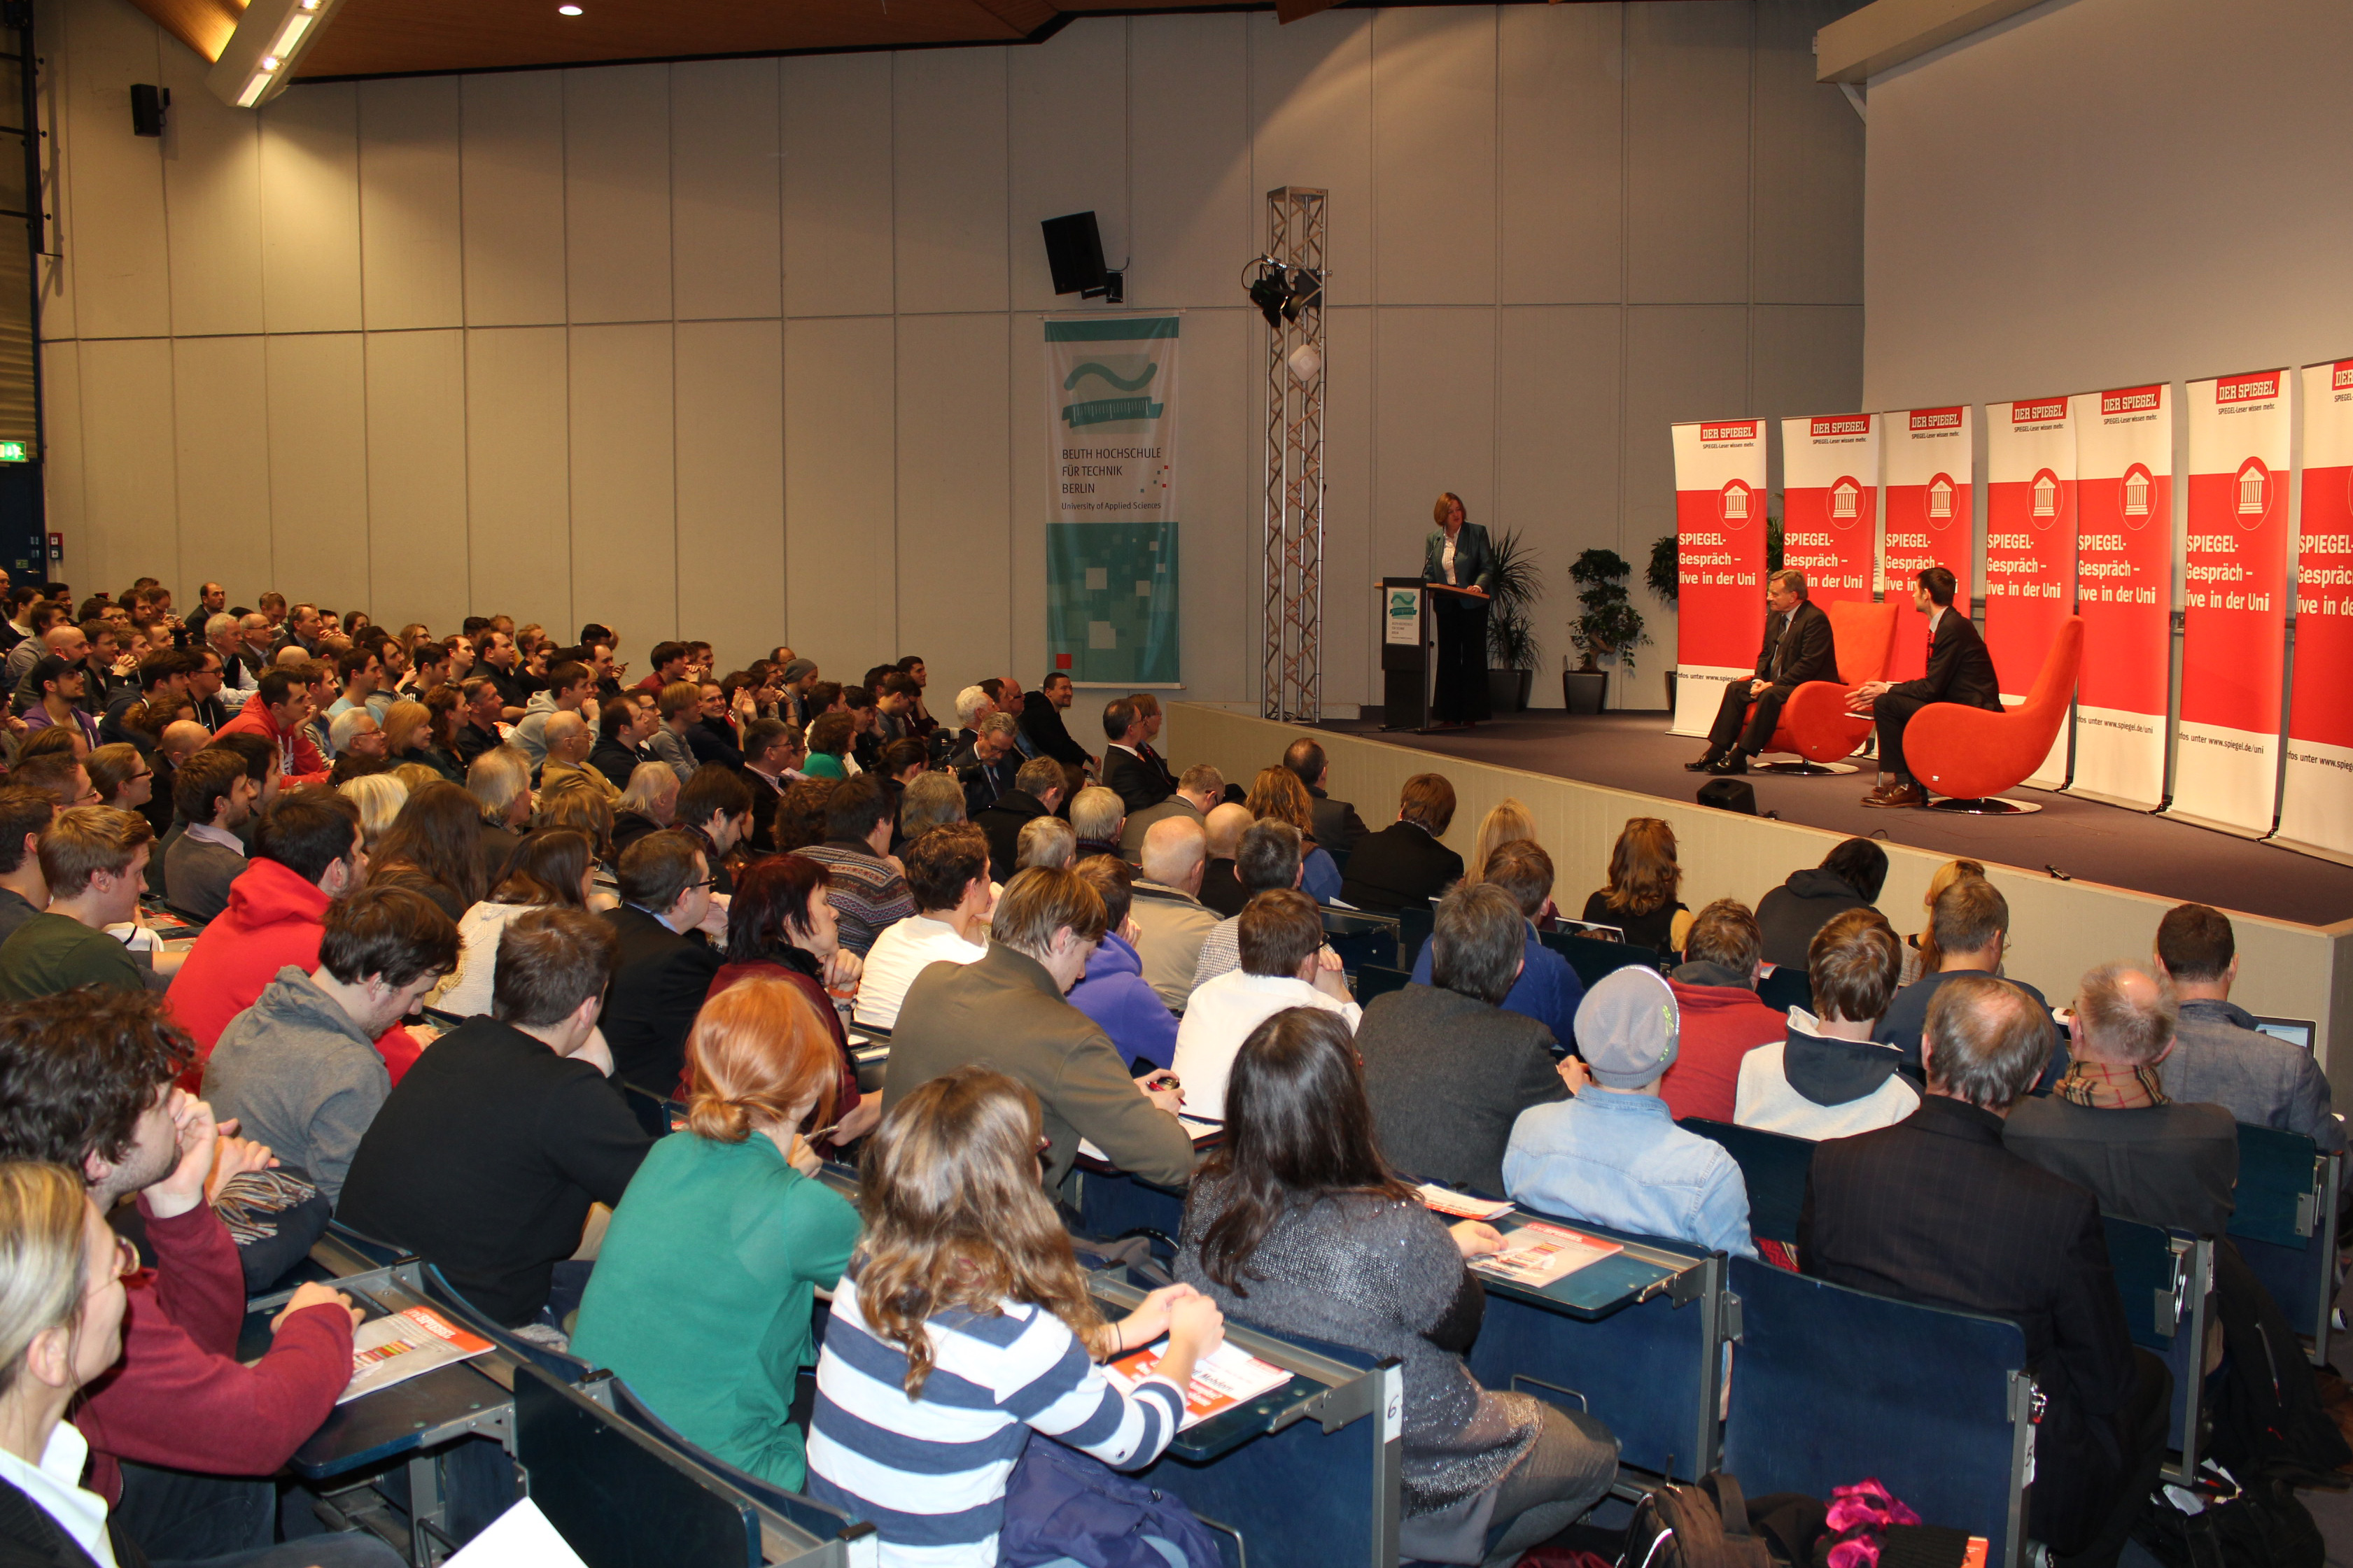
x=1828 y=1078
x=947 y=872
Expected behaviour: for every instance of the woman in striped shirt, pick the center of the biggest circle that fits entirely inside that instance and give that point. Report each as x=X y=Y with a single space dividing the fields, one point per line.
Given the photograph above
x=964 y=1323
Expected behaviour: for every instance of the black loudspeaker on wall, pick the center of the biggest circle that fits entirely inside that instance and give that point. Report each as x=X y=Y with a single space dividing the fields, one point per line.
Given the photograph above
x=1729 y=795
x=147 y=107
x=1074 y=255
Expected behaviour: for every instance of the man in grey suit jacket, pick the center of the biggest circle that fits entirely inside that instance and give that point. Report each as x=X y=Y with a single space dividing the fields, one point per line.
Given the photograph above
x=1200 y=787
x=1007 y=1012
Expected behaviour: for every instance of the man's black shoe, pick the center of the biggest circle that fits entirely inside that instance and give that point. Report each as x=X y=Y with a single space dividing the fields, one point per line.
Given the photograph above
x=1732 y=762
x=1708 y=761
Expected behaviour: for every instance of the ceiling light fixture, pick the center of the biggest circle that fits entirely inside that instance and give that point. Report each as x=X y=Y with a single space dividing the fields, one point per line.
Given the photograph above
x=567 y=10
x=259 y=57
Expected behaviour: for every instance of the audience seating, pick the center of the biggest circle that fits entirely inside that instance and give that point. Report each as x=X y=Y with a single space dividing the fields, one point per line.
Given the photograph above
x=2166 y=1279
x=2285 y=1226
x=1372 y=981
x=1592 y=957
x=1972 y=754
x=1361 y=938
x=1415 y=924
x=557 y=1364
x=1787 y=987
x=1114 y=1206
x=1830 y=1385
x=1815 y=722
x=818 y=1520
x=1774 y=1166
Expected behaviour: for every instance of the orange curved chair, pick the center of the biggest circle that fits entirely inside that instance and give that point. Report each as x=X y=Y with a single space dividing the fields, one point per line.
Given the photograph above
x=1972 y=754
x=1814 y=723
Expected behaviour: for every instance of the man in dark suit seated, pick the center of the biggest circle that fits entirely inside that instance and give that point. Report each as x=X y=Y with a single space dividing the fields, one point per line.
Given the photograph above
x=1959 y=671
x=1338 y=826
x=664 y=965
x=1798 y=648
x=1037 y=791
x=1041 y=722
x=1935 y=1210
x=1136 y=778
x=1404 y=863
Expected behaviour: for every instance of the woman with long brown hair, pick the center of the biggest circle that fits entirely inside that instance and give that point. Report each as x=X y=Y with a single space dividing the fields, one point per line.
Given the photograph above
x=730 y=1204
x=1296 y=1224
x=549 y=869
x=1277 y=793
x=1643 y=881
x=966 y=1284
x=435 y=846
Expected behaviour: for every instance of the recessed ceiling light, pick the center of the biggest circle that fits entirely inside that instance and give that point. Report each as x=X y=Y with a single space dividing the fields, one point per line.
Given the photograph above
x=567 y=10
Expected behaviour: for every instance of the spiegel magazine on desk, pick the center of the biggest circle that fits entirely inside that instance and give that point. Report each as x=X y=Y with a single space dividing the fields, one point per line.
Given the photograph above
x=1222 y=1379
x=385 y=1350
x=1536 y=1255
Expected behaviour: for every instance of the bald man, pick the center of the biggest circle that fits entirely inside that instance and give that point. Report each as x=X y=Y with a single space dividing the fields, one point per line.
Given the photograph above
x=1221 y=889
x=1168 y=913
x=569 y=741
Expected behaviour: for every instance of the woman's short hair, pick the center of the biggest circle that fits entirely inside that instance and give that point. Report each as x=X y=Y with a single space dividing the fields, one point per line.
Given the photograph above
x=379 y=797
x=1039 y=902
x=769 y=908
x=1725 y=934
x=1477 y=942
x=1279 y=930
x=1443 y=507
x=1427 y=800
x=499 y=777
x=1853 y=961
x=1045 y=841
x=831 y=733
x=758 y=1055
x=679 y=696
x=44 y=1256
x=1643 y=873
x=550 y=962
x=580 y=806
x=944 y=862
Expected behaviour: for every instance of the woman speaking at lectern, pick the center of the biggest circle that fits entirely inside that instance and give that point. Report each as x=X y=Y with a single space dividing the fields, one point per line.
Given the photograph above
x=1456 y=558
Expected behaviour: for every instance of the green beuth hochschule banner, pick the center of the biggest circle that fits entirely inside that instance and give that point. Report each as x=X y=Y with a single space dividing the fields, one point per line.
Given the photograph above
x=1110 y=542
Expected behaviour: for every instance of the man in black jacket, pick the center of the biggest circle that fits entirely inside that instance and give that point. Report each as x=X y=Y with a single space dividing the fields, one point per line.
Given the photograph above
x=1041 y=722
x=665 y=963
x=1959 y=671
x=1137 y=779
x=1798 y=648
x=1338 y=826
x=1936 y=1210
x=1037 y=791
x=1404 y=863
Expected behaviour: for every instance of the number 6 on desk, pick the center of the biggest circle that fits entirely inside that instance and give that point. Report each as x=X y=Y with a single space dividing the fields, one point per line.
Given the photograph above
x=1392 y=1404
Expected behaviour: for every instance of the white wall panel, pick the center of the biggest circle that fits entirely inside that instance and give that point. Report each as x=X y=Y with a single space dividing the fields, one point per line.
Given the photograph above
x=511 y=165
x=955 y=538
x=1433 y=425
x=1808 y=166
x=62 y=445
x=311 y=209
x=1434 y=155
x=1195 y=212
x=624 y=486
x=212 y=193
x=417 y=477
x=1557 y=430
x=616 y=164
x=1807 y=358
x=1351 y=561
x=1067 y=119
x=948 y=176
x=1561 y=89
x=841 y=501
x=129 y=521
x=318 y=468
x=519 y=477
x=221 y=395
x=412 y=255
x=730 y=487
x=1312 y=110
x=727 y=189
x=1687 y=151
x=1686 y=362
x=113 y=230
x=1218 y=510
x=837 y=184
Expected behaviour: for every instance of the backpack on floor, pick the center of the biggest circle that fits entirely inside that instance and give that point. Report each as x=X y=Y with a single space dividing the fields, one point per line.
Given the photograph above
x=1699 y=1526
x=2261 y=1525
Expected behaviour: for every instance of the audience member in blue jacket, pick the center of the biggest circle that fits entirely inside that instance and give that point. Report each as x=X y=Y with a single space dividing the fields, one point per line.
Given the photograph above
x=1548 y=989
x=1112 y=992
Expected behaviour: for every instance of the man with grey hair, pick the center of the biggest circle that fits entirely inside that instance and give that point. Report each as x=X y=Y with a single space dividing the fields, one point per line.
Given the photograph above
x=1097 y=816
x=990 y=768
x=1798 y=648
x=972 y=705
x=223 y=636
x=1198 y=790
x=1170 y=919
x=569 y=740
x=354 y=733
x=1037 y=790
x=930 y=800
x=1936 y=1209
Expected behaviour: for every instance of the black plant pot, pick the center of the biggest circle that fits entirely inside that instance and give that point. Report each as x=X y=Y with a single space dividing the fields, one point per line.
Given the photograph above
x=1671 y=691
x=1582 y=689
x=1507 y=690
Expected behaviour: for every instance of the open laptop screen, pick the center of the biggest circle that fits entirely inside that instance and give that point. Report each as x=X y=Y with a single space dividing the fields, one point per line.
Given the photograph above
x=2298 y=1032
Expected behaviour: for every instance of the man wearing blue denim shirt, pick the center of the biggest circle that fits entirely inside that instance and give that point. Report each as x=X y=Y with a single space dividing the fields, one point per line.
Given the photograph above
x=1613 y=1155
x=2219 y=1056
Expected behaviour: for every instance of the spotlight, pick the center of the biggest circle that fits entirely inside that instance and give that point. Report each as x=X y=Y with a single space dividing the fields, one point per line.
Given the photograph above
x=567 y=10
x=1306 y=292
x=1272 y=295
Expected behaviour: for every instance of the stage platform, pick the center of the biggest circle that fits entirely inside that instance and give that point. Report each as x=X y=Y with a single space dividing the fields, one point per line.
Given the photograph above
x=2086 y=883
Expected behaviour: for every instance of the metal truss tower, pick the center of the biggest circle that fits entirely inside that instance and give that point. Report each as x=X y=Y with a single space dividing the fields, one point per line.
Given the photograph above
x=1292 y=610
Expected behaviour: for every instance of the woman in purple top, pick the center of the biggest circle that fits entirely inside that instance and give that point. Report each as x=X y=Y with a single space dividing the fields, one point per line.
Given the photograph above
x=1113 y=991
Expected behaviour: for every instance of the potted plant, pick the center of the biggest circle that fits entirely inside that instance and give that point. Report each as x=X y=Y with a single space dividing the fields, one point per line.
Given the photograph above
x=1515 y=587
x=1610 y=624
x=1666 y=583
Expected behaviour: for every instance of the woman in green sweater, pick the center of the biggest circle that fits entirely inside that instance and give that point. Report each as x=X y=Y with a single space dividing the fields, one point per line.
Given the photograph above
x=703 y=1292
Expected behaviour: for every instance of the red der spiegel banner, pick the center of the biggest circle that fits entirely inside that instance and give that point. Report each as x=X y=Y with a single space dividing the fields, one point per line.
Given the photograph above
x=1931 y=520
x=2317 y=793
x=1720 y=563
x=2029 y=571
x=1829 y=504
x=2123 y=576
x=2234 y=603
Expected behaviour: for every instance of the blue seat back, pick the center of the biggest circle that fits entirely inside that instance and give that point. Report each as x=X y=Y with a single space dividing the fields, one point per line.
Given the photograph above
x=556 y=1363
x=1787 y=987
x=1830 y=1385
x=1773 y=1165
x=1114 y=1204
x=1373 y=981
x=617 y=1497
x=1592 y=958
x=1360 y=938
x=2285 y=1225
x=2156 y=1272
x=811 y=1515
x=1415 y=925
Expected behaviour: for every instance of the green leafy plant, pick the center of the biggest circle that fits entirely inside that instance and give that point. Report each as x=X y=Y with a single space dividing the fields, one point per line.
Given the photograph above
x=1610 y=622
x=1513 y=589
x=1665 y=561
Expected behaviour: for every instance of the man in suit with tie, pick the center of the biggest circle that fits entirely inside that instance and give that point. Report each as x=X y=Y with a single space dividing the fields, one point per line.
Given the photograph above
x=1137 y=779
x=1959 y=671
x=1798 y=648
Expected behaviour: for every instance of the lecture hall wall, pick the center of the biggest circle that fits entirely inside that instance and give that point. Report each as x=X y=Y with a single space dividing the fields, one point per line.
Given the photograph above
x=748 y=349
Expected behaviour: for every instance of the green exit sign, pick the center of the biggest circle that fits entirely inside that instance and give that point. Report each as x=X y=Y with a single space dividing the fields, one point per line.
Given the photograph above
x=15 y=451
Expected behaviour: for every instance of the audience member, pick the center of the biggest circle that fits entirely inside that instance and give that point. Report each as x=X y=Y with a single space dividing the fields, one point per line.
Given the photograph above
x=1277 y=794
x=2219 y=1056
x=92 y=859
x=1137 y=781
x=1722 y=1020
x=1849 y=878
x=719 y=1364
x=1268 y=858
x=714 y=808
x=965 y=1321
x=499 y=782
x=1920 y=954
x=663 y=964
x=1828 y=1079
x=1506 y=822
x=831 y=736
x=1046 y=841
x=299 y=1069
x=990 y=768
x=568 y=740
x=1197 y=790
x=1934 y=1209
x=25 y=816
x=280 y=711
x=569 y=686
x=1612 y=1155
x=1404 y=864
x=215 y=796
x=1041 y=722
x=1114 y=992
x=780 y=927
x=553 y=868
x=1282 y=963
x=1007 y=1011
x=1645 y=880
x=623 y=727
x=1447 y=1069
x=1338 y=826
x=649 y=804
x=1971 y=927
x=434 y=846
x=1038 y=789
x=480 y=705
x=1221 y=885
x=62 y=689
x=947 y=879
x=932 y=800
x=378 y=798
x=1298 y=1226
x=867 y=888
x=1170 y=919
x=1548 y=989
x=1097 y=820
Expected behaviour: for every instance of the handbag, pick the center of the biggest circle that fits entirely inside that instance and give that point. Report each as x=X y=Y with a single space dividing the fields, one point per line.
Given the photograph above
x=1061 y=1504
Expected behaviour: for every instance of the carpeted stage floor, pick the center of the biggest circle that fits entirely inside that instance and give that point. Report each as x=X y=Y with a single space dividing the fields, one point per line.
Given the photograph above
x=2097 y=843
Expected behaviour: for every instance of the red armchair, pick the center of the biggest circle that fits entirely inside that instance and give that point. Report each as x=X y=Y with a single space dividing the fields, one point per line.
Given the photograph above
x=1814 y=723
x=1972 y=754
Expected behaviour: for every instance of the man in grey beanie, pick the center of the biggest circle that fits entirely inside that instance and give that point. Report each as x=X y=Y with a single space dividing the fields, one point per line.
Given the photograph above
x=1613 y=1155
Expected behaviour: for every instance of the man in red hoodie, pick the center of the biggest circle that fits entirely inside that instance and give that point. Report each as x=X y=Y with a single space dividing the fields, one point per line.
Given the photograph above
x=278 y=711
x=1722 y=1021
x=88 y=1086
